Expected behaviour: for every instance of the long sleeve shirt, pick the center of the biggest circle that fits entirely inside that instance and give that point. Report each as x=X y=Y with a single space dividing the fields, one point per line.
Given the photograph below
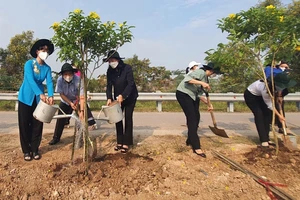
x=190 y=89
x=120 y=81
x=32 y=86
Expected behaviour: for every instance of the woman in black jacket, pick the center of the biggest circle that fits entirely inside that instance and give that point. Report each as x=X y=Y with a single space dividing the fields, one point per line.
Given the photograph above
x=120 y=80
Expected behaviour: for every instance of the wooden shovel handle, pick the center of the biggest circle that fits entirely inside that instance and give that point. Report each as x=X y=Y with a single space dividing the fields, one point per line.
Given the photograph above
x=283 y=122
x=211 y=112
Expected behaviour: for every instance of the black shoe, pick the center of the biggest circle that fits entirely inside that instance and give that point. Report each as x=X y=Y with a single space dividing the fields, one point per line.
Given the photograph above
x=36 y=155
x=27 y=157
x=187 y=143
x=199 y=154
x=53 y=141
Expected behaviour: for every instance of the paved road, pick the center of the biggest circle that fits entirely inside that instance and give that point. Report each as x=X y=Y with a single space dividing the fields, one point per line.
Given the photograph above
x=155 y=123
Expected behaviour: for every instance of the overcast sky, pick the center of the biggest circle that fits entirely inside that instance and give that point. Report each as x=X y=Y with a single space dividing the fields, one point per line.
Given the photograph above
x=170 y=33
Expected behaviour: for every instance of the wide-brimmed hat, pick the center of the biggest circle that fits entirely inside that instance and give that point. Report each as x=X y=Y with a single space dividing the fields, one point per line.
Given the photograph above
x=211 y=66
x=40 y=43
x=66 y=68
x=193 y=63
x=283 y=80
x=112 y=54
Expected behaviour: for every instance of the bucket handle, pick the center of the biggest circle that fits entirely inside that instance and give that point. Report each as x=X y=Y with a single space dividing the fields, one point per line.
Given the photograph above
x=98 y=116
x=62 y=111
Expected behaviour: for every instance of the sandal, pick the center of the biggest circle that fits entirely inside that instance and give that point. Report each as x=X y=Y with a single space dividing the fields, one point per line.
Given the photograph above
x=36 y=156
x=272 y=144
x=118 y=147
x=199 y=154
x=124 y=149
x=93 y=127
x=27 y=157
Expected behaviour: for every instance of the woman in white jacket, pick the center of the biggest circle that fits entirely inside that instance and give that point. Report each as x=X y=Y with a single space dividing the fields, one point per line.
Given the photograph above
x=259 y=101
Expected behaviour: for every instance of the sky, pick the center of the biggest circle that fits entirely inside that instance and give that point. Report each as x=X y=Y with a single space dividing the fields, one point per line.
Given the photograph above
x=169 y=33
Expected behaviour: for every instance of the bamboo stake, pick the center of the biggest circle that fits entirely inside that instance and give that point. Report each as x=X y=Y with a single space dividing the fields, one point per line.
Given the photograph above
x=258 y=179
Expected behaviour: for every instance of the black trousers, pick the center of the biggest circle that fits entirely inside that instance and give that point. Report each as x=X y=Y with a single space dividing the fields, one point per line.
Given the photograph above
x=126 y=137
x=262 y=115
x=191 y=111
x=60 y=123
x=30 y=129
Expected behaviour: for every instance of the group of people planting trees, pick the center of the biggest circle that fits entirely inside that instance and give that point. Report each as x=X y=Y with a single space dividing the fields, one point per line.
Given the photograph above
x=121 y=88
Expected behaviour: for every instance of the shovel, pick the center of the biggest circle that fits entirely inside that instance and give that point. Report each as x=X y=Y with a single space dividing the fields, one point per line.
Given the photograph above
x=285 y=138
x=215 y=129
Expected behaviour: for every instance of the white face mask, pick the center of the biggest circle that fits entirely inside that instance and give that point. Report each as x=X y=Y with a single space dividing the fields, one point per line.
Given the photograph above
x=213 y=75
x=43 y=55
x=282 y=68
x=113 y=64
x=68 y=78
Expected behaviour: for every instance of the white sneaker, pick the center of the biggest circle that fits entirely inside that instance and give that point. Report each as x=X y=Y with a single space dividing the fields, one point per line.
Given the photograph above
x=265 y=144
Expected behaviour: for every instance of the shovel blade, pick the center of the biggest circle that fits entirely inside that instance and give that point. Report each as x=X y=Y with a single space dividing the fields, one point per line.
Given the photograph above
x=218 y=132
x=288 y=143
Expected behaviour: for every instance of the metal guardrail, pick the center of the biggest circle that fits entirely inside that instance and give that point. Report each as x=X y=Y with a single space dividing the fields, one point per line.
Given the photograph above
x=229 y=97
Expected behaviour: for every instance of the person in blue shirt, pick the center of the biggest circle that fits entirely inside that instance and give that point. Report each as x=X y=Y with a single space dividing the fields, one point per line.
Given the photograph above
x=36 y=71
x=69 y=87
x=278 y=69
x=268 y=70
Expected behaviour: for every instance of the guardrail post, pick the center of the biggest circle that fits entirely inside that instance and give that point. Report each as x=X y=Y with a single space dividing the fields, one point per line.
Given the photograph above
x=17 y=102
x=298 y=105
x=159 y=103
x=230 y=106
x=159 y=106
x=16 y=105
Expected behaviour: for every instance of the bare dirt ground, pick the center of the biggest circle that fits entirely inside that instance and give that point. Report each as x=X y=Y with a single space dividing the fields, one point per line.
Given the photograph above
x=157 y=167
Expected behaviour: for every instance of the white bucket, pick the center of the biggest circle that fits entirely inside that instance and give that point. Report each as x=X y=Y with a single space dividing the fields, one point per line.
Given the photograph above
x=113 y=112
x=44 y=112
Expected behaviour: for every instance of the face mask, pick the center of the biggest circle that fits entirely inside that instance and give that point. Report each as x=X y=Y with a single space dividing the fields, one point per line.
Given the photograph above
x=43 y=55
x=113 y=64
x=213 y=75
x=282 y=68
x=68 y=78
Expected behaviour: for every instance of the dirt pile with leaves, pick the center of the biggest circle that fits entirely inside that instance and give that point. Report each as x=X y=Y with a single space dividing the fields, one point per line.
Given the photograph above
x=158 y=167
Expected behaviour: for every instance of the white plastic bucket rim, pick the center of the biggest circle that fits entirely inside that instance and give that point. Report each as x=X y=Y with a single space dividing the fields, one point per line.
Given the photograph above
x=113 y=113
x=44 y=112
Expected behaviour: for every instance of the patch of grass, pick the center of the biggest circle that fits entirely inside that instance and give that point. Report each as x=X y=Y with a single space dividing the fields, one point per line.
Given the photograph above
x=7 y=105
x=178 y=148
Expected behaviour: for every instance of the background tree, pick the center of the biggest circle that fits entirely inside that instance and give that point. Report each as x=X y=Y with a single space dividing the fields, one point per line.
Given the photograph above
x=266 y=3
x=262 y=32
x=85 y=40
x=238 y=66
x=149 y=79
x=12 y=60
x=256 y=37
x=18 y=53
